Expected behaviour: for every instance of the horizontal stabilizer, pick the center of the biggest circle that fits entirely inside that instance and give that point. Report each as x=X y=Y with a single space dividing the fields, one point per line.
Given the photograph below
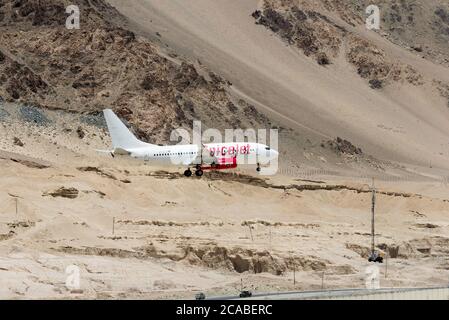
x=120 y=151
x=104 y=151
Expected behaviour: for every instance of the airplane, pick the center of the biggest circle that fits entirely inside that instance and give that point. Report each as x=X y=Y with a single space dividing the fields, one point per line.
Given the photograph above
x=211 y=156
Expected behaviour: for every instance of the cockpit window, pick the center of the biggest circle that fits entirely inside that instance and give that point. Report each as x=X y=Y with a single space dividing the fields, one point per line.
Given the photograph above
x=267 y=148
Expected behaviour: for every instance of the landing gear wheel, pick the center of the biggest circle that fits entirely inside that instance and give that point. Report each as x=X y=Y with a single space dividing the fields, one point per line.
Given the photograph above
x=258 y=168
x=188 y=173
x=199 y=173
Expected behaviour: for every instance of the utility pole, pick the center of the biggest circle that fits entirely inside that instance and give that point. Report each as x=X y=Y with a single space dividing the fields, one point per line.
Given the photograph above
x=17 y=208
x=294 y=274
x=270 y=239
x=16 y=204
x=250 y=232
x=375 y=257
x=373 y=203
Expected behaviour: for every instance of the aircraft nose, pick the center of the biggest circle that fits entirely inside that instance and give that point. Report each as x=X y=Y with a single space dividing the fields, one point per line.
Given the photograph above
x=274 y=153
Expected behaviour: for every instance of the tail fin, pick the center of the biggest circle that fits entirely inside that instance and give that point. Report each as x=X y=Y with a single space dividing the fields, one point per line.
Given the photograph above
x=121 y=137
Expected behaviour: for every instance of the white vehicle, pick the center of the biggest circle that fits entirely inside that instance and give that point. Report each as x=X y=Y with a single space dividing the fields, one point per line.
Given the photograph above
x=212 y=156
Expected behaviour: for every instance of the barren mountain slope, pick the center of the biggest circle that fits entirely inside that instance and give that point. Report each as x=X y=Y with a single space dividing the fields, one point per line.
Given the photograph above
x=347 y=100
x=103 y=65
x=414 y=24
x=137 y=231
x=406 y=120
x=420 y=25
x=323 y=36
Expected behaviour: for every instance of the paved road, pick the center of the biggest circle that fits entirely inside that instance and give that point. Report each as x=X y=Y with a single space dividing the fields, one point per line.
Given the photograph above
x=326 y=294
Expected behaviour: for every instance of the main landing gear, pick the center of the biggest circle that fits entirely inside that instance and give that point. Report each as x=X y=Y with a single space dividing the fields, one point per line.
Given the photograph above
x=200 y=168
x=198 y=172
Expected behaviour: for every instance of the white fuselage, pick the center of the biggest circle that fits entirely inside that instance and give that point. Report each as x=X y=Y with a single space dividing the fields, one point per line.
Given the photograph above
x=190 y=154
x=218 y=155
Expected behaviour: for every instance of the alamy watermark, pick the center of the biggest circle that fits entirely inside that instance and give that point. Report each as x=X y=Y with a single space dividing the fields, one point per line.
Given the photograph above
x=372 y=277
x=373 y=19
x=73 y=20
x=72 y=281
x=242 y=146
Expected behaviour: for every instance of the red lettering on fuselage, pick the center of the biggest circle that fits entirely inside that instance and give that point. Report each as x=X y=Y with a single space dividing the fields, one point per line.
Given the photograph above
x=231 y=150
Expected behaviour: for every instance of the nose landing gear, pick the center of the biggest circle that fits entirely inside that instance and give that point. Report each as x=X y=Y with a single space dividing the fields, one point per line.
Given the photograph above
x=258 y=167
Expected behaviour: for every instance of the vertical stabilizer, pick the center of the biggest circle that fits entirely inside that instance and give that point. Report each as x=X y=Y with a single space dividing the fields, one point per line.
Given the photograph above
x=121 y=136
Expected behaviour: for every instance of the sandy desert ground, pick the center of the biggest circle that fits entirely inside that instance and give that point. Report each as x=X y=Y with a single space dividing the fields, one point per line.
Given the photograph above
x=139 y=231
x=175 y=236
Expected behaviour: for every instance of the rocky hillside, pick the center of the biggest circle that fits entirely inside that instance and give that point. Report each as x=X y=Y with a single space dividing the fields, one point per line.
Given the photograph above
x=326 y=29
x=159 y=76
x=422 y=26
x=419 y=25
x=105 y=65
